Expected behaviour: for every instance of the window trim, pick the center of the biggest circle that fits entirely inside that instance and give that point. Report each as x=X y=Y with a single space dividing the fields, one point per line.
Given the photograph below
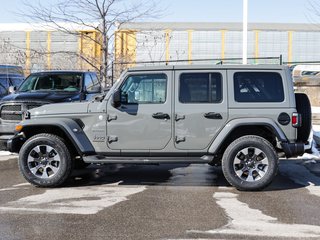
x=210 y=93
x=139 y=74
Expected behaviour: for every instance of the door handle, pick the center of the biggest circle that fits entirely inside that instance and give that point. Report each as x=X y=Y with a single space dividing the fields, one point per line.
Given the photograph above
x=212 y=115
x=180 y=139
x=160 y=115
x=180 y=117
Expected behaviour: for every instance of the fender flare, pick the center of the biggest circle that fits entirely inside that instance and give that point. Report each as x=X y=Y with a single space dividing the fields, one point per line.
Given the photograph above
x=233 y=124
x=69 y=126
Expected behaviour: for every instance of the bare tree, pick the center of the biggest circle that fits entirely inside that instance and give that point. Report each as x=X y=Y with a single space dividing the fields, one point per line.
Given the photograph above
x=103 y=16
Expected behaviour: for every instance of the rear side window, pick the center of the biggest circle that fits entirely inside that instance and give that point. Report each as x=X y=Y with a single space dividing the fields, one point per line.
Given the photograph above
x=200 y=88
x=258 y=87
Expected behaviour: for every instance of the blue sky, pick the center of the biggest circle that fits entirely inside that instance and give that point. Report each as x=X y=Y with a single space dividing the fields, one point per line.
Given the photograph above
x=290 y=11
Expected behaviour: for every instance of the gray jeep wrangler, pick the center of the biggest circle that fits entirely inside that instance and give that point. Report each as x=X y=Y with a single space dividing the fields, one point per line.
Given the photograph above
x=238 y=116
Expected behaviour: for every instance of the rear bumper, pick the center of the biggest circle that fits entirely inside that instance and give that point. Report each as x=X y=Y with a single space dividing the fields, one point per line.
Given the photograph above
x=293 y=149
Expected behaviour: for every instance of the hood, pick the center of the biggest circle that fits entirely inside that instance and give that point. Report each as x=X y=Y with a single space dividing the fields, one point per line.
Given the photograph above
x=60 y=109
x=46 y=96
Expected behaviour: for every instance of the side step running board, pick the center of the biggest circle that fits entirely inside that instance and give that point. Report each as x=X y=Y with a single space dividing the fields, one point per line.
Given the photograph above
x=147 y=160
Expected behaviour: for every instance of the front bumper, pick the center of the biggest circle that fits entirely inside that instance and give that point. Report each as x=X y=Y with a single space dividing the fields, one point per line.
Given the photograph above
x=6 y=133
x=14 y=143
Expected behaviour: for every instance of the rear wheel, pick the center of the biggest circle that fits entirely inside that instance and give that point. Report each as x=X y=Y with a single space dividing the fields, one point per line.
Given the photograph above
x=250 y=163
x=45 y=161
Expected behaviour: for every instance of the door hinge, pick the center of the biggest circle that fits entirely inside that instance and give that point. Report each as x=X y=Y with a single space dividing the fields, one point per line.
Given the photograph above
x=111 y=117
x=112 y=139
x=180 y=139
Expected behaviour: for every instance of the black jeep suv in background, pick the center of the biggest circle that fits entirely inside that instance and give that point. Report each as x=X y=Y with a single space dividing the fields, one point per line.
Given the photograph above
x=44 y=88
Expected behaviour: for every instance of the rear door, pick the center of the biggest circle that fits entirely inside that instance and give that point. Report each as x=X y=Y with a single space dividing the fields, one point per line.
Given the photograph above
x=200 y=107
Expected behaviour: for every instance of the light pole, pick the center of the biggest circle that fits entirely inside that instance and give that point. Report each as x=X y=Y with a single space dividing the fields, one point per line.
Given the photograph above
x=245 y=32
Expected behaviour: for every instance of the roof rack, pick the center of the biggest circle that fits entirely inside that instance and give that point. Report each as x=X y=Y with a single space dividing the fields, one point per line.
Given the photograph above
x=218 y=61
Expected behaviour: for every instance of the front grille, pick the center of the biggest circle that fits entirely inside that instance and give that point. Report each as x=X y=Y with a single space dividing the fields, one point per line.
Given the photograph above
x=15 y=111
x=16 y=107
x=12 y=117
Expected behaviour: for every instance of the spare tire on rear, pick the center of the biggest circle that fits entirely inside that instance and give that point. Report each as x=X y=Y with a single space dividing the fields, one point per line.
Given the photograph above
x=304 y=108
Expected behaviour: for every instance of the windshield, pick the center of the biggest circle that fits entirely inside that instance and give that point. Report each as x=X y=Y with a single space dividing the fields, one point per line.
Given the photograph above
x=52 y=82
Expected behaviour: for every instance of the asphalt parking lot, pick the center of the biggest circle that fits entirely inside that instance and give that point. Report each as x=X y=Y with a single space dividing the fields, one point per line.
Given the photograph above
x=160 y=202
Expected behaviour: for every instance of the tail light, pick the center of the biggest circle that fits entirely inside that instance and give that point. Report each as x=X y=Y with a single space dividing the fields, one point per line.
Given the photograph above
x=296 y=120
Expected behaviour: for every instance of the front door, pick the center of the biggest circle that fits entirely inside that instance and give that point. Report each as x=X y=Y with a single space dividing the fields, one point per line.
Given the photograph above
x=200 y=107
x=143 y=121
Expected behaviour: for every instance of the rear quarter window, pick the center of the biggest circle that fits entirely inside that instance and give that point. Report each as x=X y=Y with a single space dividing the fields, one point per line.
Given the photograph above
x=258 y=87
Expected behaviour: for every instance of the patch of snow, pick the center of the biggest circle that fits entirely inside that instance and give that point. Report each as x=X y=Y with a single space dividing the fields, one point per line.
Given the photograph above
x=315 y=109
x=245 y=221
x=81 y=200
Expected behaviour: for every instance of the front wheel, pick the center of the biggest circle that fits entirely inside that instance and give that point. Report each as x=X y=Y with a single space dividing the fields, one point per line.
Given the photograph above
x=45 y=161
x=250 y=163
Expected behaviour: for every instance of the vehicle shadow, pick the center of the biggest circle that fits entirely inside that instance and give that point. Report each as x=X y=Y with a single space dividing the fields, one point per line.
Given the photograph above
x=200 y=175
x=150 y=175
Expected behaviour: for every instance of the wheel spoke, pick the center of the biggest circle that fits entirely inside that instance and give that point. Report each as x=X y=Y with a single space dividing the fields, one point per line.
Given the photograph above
x=261 y=172
x=55 y=158
x=239 y=172
x=257 y=151
x=35 y=169
x=53 y=169
x=32 y=159
x=245 y=151
x=264 y=161
x=250 y=177
x=48 y=150
x=237 y=160
x=37 y=149
x=45 y=173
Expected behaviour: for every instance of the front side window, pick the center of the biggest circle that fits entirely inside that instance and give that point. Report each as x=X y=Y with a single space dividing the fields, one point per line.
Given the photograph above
x=146 y=88
x=258 y=87
x=200 y=88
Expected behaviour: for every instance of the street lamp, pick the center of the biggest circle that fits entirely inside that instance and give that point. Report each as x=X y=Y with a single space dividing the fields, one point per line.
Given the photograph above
x=245 y=32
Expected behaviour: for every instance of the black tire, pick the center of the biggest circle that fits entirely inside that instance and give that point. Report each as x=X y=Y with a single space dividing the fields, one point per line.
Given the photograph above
x=50 y=162
x=304 y=108
x=254 y=171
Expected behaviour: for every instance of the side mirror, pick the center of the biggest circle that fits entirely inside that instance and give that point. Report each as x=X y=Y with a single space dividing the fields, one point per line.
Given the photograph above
x=95 y=89
x=116 y=98
x=12 y=89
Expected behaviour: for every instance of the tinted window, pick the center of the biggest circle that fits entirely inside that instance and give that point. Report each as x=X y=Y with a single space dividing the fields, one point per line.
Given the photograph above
x=200 y=88
x=258 y=87
x=149 y=88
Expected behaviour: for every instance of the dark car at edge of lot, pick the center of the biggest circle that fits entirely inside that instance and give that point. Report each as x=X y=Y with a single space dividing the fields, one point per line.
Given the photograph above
x=44 y=88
